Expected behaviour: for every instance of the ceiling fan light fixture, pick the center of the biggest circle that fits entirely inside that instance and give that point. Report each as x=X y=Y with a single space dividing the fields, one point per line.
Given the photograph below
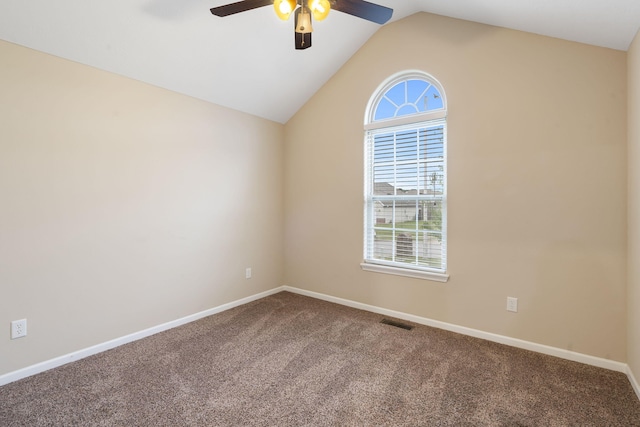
x=303 y=20
x=284 y=8
x=303 y=11
x=319 y=8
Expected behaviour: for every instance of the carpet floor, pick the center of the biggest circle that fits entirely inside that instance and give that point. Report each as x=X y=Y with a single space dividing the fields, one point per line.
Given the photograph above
x=291 y=360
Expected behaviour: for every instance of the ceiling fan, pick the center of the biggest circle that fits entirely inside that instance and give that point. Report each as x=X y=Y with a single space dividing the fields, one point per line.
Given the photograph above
x=304 y=9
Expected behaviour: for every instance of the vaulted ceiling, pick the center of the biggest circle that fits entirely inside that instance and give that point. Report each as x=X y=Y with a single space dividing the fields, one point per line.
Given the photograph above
x=247 y=61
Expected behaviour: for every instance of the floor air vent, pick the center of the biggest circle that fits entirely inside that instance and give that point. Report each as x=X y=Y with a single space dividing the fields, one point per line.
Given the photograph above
x=396 y=324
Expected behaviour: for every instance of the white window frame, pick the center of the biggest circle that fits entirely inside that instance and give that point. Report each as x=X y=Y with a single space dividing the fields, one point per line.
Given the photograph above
x=371 y=127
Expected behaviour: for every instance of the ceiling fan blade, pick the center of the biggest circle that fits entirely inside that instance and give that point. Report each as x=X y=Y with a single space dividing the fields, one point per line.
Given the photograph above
x=363 y=9
x=240 y=6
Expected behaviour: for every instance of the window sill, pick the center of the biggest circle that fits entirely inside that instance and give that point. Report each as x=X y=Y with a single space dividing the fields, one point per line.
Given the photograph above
x=416 y=274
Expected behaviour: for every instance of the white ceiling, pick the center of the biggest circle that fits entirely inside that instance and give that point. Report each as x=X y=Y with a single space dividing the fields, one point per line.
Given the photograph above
x=247 y=61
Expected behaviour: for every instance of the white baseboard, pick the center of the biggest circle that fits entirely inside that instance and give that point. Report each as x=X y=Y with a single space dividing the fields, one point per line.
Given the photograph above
x=513 y=342
x=98 y=348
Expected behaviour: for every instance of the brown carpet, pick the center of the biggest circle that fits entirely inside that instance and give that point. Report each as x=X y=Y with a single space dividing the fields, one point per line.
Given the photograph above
x=290 y=360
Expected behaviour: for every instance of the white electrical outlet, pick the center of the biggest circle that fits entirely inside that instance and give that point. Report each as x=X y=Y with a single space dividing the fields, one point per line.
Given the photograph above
x=18 y=328
x=247 y=273
x=512 y=304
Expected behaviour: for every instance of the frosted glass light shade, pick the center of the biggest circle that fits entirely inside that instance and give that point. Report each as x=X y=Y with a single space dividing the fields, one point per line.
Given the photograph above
x=319 y=8
x=284 y=8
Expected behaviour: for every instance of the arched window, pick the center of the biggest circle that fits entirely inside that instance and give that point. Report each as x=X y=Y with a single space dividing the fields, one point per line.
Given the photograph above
x=406 y=178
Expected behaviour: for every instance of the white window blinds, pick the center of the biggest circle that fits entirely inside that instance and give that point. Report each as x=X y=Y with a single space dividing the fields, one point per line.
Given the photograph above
x=405 y=196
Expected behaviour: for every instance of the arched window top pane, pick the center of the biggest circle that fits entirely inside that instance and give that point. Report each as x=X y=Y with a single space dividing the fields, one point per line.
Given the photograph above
x=406 y=98
x=407 y=94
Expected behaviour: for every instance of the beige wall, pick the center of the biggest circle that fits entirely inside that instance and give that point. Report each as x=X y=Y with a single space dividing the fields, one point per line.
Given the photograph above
x=124 y=206
x=537 y=184
x=633 y=333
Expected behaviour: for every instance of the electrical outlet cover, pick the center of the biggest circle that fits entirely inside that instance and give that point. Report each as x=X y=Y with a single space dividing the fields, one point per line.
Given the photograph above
x=18 y=328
